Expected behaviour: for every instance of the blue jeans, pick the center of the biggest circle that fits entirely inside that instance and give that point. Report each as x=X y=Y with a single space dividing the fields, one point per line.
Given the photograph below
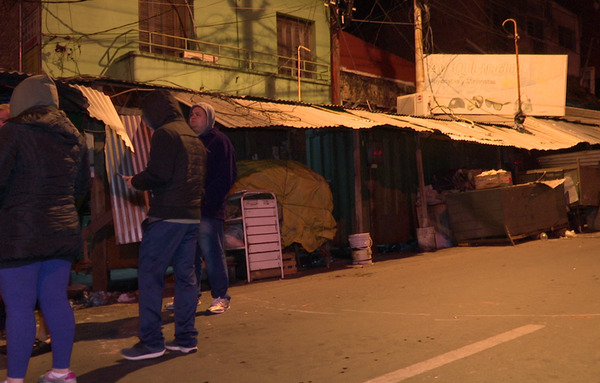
x=211 y=247
x=165 y=243
x=47 y=283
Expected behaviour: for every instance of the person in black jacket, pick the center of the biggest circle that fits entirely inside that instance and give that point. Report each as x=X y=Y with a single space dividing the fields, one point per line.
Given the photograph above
x=44 y=168
x=221 y=172
x=174 y=175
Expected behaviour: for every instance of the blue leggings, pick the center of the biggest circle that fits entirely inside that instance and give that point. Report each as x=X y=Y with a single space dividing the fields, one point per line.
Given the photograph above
x=21 y=287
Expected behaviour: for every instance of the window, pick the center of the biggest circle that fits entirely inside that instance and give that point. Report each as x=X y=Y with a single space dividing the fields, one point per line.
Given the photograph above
x=535 y=28
x=164 y=25
x=496 y=15
x=292 y=33
x=566 y=38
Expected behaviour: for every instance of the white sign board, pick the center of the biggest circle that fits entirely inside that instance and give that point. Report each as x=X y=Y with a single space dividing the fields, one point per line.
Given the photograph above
x=487 y=84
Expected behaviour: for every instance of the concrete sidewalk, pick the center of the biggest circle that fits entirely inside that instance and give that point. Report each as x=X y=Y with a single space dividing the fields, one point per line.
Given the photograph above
x=524 y=313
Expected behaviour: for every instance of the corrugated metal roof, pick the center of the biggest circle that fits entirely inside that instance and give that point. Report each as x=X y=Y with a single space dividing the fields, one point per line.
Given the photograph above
x=586 y=116
x=543 y=133
x=101 y=108
x=249 y=113
x=540 y=133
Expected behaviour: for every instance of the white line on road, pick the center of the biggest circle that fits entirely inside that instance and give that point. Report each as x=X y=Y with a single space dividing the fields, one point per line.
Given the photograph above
x=452 y=356
x=386 y=312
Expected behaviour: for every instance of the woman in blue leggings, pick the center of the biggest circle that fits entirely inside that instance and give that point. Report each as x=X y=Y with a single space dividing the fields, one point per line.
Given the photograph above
x=44 y=168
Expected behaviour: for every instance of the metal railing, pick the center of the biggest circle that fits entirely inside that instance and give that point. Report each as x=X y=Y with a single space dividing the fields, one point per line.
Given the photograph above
x=216 y=54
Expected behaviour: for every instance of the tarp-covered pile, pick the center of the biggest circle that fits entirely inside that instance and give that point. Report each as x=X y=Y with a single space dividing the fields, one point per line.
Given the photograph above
x=304 y=197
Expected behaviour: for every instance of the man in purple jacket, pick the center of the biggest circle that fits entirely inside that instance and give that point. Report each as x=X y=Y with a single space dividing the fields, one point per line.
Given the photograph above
x=221 y=172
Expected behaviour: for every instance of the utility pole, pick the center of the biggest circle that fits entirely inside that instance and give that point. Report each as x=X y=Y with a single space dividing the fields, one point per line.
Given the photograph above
x=420 y=87
x=419 y=64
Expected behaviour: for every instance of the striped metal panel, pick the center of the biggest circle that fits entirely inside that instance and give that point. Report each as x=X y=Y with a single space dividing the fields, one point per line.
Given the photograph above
x=129 y=207
x=565 y=160
x=101 y=108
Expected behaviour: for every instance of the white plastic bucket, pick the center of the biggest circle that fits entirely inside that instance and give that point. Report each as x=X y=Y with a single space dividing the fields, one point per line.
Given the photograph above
x=360 y=245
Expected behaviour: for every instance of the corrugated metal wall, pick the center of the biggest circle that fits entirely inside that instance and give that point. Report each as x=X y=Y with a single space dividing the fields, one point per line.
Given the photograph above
x=128 y=207
x=391 y=184
x=585 y=158
x=329 y=153
x=386 y=189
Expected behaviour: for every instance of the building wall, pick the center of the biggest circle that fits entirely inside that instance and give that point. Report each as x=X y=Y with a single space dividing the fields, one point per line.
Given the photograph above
x=101 y=38
x=81 y=38
x=362 y=90
x=11 y=57
x=371 y=77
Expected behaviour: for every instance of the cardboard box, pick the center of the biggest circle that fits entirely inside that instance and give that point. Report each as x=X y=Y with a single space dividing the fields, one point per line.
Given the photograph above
x=489 y=181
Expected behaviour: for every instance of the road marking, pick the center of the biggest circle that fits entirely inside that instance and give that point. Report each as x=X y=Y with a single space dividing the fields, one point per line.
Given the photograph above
x=452 y=356
x=386 y=312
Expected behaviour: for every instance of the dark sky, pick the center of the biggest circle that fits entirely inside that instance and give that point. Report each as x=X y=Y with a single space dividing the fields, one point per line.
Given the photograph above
x=398 y=38
x=371 y=22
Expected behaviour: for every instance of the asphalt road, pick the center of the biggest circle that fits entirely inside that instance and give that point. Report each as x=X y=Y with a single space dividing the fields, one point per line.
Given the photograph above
x=524 y=313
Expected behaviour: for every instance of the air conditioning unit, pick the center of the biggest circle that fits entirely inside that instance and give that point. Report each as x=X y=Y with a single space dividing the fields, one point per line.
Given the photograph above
x=416 y=104
x=199 y=56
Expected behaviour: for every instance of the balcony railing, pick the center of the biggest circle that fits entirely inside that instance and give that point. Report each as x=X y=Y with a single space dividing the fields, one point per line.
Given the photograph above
x=216 y=54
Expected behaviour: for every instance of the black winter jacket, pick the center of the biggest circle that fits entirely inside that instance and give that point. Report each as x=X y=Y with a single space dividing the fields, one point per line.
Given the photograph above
x=44 y=167
x=176 y=167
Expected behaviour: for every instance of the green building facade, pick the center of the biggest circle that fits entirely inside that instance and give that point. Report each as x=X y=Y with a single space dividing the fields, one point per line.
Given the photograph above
x=237 y=47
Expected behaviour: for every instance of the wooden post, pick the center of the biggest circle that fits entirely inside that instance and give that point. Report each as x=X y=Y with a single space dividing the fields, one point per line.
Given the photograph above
x=99 y=253
x=359 y=227
x=425 y=222
x=420 y=87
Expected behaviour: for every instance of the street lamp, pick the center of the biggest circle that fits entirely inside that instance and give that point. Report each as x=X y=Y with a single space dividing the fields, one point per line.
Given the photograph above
x=519 y=116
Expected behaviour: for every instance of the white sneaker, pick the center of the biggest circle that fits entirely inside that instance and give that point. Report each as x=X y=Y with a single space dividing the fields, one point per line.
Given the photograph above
x=174 y=346
x=219 y=305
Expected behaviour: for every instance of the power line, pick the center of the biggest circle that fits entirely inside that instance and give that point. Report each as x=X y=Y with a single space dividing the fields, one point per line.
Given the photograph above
x=382 y=22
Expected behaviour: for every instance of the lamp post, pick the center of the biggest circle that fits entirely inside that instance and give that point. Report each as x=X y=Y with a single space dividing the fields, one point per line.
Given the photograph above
x=519 y=116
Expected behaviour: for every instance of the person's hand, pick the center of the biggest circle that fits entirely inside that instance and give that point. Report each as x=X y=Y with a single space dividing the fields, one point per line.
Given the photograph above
x=127 y=180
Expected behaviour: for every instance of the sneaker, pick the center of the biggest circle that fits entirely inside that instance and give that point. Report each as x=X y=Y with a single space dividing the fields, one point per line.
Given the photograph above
x=219 y=305
x=69 y=378
x=140 y=351
x=171 y=305
x=174 y=346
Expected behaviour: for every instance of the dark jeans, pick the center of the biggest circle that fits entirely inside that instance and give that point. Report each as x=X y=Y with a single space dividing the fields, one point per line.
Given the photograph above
x=165 y=243
x=211 y=247
x=47 y=282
